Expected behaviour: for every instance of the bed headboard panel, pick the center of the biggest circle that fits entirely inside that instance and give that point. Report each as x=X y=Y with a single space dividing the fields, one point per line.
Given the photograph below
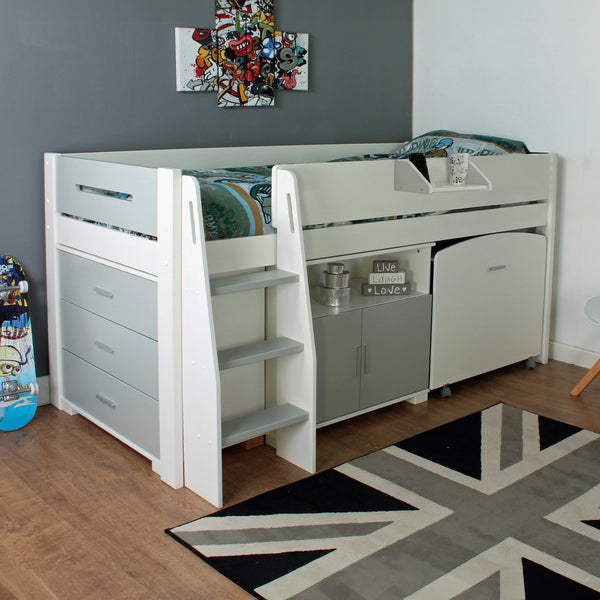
x=118 y=195
x=354 y=194
x=356 y=191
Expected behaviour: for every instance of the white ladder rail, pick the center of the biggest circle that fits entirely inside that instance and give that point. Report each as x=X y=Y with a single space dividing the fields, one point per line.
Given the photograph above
x=201 y=380
x=295 y=381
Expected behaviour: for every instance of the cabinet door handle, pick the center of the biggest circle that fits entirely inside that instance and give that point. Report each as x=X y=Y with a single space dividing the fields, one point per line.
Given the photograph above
x=105 y=293
x=496 y=268
x=106 y=401
x=104 y=347
x=358 y=353
x=365 y=359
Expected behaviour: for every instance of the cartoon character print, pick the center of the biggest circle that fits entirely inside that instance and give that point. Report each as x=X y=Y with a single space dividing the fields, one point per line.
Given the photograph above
x=439 y=150
x=15 y=350
x=11 y=361
x=12 y=364
x=16 y=322
x=261 y=192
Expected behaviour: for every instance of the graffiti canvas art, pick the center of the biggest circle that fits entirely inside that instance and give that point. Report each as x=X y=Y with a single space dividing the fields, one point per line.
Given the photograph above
x=244 y=59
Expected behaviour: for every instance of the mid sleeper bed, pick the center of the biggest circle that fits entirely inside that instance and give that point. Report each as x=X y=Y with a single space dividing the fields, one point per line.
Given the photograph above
x=180 y=345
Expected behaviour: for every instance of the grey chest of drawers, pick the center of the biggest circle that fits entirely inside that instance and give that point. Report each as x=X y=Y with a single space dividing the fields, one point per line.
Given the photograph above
x=109 y=348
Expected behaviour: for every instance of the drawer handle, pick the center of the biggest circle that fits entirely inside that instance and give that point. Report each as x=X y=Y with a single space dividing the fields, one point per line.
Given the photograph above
x=496 y=268
x=104 y=347
x=106 y=400
x=102 y=292
x=358 y=359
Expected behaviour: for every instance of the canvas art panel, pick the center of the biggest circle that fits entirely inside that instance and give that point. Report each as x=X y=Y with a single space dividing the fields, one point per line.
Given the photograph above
x=244 y=58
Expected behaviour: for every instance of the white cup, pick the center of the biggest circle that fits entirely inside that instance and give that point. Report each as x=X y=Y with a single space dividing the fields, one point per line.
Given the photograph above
x=458 y=166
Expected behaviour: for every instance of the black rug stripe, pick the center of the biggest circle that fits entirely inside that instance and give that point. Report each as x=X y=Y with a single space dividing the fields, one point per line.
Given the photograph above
x=592 y=523
x=456 y=445
x=552 y=432
x=254 y=570
x=330 y=491
x=543 y=584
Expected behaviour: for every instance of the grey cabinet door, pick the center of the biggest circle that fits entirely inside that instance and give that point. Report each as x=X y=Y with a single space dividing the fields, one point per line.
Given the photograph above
x=338 y=349
x=396 y=340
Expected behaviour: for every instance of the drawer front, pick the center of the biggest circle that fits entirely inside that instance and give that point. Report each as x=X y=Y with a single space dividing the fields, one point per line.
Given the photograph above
x=127 y=355
x=121 y=408
x=119 y=296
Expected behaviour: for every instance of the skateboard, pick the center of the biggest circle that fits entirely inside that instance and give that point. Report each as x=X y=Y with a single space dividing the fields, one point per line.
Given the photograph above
x=18 y=387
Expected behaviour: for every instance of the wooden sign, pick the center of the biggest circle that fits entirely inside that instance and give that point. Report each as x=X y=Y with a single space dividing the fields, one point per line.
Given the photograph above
x=385 y=266
x=385 y=289
x=399 y=277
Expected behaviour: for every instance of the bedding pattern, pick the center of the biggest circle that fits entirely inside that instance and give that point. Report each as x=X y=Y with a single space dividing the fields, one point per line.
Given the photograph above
x=236 y=202
x=442 y=142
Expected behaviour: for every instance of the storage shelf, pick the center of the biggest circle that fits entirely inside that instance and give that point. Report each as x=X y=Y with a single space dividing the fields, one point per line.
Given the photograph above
x=409 y=179
x=257 y=351
x=258 y=423
x=250 y=281
x=357 y=300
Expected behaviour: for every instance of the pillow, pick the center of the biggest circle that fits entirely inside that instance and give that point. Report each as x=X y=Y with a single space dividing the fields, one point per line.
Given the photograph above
x=442 y=143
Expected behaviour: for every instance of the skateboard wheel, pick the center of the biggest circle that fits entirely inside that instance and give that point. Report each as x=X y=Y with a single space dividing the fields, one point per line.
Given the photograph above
x=34 y=388
x=23 y=287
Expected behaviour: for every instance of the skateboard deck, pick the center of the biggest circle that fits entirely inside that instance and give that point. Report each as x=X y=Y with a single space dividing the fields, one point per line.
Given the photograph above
x=18 y=387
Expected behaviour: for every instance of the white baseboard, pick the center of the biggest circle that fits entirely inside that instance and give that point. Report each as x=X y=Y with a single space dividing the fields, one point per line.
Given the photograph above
x=44 y=395
x=572 y=355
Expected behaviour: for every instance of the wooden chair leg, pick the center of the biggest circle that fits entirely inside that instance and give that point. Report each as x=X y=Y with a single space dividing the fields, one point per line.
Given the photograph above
x=586 y=380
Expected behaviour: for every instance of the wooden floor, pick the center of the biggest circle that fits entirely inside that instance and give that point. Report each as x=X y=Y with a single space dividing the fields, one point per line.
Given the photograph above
x=82 y=516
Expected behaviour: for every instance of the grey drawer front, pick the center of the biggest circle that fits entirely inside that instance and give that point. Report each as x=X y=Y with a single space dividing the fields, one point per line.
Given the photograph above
x=116 y=295
x=127 y=355
x=120 y=407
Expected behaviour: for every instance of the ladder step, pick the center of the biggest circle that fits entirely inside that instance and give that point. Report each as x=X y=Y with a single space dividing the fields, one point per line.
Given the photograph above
x=258 y=423
x=250 y=281
x=257 y=351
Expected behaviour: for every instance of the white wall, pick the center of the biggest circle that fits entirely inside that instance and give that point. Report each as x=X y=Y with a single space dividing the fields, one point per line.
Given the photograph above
x=527 y=69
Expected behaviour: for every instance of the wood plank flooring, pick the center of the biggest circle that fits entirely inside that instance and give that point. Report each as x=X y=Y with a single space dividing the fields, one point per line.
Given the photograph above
x=83 y=516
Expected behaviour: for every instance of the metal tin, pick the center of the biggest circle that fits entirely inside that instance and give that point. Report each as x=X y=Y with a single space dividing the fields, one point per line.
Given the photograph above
x=336 y=280
x=335 y=267
x=334 y=296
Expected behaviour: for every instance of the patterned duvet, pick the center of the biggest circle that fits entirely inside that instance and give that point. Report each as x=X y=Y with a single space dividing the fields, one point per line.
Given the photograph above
x=235 y=202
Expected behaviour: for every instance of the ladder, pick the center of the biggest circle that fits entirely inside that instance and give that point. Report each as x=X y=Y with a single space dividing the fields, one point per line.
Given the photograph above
x=287 y=413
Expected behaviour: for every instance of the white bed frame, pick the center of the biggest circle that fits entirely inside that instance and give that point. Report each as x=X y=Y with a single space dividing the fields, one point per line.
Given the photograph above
x=195 y=327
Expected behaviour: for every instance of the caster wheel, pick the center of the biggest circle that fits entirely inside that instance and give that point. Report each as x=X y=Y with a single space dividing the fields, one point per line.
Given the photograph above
x=445 y=392
x=530 y=363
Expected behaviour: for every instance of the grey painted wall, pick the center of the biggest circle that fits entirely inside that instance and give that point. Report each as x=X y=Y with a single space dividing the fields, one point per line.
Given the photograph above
x=89 y=75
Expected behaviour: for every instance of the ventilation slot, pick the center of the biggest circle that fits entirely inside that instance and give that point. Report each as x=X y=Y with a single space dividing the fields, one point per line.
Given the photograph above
x=106 y=193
